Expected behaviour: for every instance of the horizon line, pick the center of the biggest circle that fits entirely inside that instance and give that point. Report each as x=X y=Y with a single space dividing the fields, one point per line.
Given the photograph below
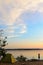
x=24 y=49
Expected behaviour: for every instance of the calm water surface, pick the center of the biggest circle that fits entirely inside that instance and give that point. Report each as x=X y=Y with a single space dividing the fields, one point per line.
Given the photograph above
x=27 y=53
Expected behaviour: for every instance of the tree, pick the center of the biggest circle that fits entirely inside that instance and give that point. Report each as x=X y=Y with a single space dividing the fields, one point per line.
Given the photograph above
x=3 y=41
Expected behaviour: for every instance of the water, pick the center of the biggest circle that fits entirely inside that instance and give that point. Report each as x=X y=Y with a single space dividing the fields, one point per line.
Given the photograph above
x=30 y=54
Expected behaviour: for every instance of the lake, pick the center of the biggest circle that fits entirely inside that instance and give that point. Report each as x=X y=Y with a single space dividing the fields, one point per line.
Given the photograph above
x=27 y=53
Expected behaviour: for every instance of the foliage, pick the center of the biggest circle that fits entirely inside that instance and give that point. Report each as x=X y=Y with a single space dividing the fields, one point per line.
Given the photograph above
x=3 y=41
x=2 y=52
x=7 y=58
x=21 y=58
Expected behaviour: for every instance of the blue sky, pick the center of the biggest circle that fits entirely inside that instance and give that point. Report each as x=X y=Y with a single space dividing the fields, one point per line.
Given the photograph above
x=22 y=23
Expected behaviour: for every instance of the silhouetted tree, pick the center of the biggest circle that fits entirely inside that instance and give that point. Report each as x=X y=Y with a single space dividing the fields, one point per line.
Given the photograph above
x=3 y=41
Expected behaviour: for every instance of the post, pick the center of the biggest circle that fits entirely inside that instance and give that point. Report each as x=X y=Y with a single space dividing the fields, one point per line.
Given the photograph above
x=38 y=56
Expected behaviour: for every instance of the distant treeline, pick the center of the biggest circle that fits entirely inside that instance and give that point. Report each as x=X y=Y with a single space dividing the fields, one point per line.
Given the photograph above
x=25 y=49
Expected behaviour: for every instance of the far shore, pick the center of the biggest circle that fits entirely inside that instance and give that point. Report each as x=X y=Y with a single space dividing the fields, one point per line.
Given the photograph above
x=26 y=49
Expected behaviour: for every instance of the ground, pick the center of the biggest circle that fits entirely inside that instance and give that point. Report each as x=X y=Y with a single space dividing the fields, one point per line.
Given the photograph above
x=24 y=63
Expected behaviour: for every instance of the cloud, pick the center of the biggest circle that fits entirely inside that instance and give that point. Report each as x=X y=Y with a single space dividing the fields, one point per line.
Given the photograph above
x=9 y=29
x=23 y=29
x=11 y=9
x=15 y=30
x=13 y=36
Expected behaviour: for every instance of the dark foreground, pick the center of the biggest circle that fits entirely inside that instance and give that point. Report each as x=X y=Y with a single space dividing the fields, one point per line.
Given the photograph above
x=24 y=63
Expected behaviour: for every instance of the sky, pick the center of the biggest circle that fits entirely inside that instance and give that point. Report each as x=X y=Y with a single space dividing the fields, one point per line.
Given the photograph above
x=22 y=23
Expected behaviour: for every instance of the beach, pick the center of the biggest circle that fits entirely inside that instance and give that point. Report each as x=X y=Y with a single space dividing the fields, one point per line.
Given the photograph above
x=25 y=63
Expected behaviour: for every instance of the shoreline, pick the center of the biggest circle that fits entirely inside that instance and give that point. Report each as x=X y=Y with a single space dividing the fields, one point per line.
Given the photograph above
x=39 y=62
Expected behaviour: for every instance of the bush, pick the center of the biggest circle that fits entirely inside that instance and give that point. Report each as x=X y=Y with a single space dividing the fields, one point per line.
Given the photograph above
x=21 y=58
x=7 y=58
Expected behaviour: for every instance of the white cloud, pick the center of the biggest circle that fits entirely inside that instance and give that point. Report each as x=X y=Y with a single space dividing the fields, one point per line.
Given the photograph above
x=12 y=9
x=13 y=31
x=23 y=29
x=13 y=36
x=9 y=29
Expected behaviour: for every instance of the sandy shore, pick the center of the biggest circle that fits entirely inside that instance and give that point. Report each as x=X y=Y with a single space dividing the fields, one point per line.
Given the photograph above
x=25 y=63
